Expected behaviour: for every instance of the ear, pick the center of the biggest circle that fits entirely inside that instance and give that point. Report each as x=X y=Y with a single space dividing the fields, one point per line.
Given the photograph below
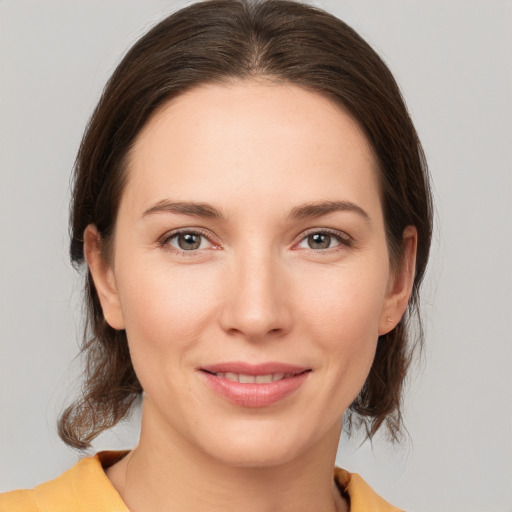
x=400 y=283
x=104 y=278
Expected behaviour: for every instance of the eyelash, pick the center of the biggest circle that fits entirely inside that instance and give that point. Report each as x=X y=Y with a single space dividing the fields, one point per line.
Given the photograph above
x=164 y=241
x=344 y=241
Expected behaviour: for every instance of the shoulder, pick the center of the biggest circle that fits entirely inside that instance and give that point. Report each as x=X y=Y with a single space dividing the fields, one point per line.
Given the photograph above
x=84 y=487
x=362 y=497
x=18 y=501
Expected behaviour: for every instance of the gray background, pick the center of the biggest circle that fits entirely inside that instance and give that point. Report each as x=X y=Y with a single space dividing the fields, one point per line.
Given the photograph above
x=453 y=62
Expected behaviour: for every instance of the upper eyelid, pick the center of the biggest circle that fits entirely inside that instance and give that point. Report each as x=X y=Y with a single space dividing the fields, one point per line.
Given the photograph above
x=326 y=230
x=178 y=231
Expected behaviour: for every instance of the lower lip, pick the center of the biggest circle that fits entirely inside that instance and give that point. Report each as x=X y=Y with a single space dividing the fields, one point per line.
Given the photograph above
x=257 y=394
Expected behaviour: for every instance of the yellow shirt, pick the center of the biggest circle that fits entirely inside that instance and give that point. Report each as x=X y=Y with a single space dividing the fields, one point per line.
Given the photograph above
x=86 y=488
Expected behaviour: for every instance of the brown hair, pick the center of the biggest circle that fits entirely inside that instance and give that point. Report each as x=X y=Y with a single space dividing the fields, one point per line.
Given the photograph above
x=214 y=41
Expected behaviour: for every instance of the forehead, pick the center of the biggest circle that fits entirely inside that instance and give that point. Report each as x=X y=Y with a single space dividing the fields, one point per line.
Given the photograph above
x=276 y=141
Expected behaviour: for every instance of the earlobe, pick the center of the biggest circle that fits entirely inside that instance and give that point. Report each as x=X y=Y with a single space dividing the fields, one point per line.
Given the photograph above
x=103 y=276
x=400 y=284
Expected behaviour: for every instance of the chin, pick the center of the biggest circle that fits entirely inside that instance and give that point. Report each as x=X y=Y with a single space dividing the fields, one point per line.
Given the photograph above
x=265 y=446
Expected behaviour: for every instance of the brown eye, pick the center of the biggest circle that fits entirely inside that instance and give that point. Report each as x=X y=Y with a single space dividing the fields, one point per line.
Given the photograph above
x=319 y=241
x=188 y=241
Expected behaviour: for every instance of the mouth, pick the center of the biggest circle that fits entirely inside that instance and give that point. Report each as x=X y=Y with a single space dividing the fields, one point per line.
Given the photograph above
x=253 y=379
x=260 y=385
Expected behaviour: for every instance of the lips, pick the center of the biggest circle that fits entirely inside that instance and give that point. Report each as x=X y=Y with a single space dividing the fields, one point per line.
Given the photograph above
x=259 y=385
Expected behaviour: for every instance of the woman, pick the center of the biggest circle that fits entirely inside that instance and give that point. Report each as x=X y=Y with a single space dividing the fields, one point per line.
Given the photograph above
x=253 y=206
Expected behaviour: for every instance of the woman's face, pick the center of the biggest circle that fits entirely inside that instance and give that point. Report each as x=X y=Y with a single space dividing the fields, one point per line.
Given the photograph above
x=250 y=270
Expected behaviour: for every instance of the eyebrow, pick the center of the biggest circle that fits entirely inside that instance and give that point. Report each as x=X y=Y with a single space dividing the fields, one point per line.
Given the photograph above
x=321 y=208
x=184 y=208
x=309 y=210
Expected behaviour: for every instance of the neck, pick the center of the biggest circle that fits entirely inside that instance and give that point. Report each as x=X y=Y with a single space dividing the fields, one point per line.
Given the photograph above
x=164 y=473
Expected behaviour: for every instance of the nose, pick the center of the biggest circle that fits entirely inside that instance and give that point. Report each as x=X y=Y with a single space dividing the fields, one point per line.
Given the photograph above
x=256 y=303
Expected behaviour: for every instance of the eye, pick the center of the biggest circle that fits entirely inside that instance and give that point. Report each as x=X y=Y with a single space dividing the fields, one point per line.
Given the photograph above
x=188 y=241
x=323 y=240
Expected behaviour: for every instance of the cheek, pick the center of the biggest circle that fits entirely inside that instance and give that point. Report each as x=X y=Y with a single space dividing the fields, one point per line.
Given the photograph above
x=165 y=309
x=346 y=302
x=344 y=321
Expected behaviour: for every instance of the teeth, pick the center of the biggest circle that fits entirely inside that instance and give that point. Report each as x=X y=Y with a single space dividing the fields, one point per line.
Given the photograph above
x=246 y=379
x=264 y=378
x=251 y=379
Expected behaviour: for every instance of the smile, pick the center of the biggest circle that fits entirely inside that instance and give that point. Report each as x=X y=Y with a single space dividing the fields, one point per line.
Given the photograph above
x=252 y=386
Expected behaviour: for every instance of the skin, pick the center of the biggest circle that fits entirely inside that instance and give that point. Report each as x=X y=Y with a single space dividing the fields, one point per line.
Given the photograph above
x=254 y=290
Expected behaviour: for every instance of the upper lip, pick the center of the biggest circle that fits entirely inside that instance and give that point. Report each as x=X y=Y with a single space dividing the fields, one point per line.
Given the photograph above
x=254 y=369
